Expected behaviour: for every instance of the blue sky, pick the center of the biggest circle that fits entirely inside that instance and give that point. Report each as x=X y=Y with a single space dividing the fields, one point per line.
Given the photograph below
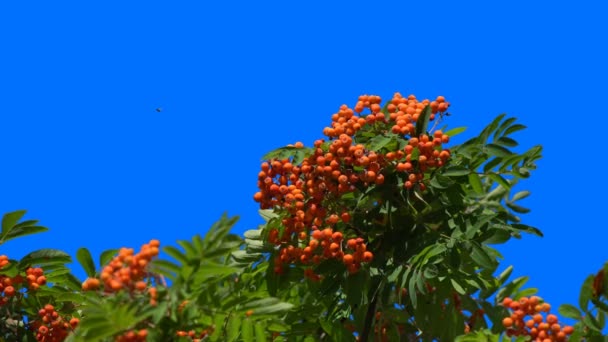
x=85 y=152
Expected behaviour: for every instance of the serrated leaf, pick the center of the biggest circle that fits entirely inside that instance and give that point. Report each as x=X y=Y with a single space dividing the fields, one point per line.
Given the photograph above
x=505 y=141
x=247 y=330
x=500 y=180
x=253 y=234
x=23 y=231
x=504 y=275
x=166 y=268
x=513 y=129
x=569 y=311
x=267 y=306
x=497 y=150
x=528 y=229
x=455 y=131
x=260 y=332
x=491 y=164
x=454 y=171
x=475 y=182
x=106 y=256
x=592 y=323
x=520 y=195
x=9 y=220
x=267 y=214
x=378 y=142
x=176 y=254
x=485 y=133
x=517 y=208
x=233 y=328
x=457 y=287
x=586 y=293
x=481 y=258
x=86 y=261
x=503 y=126
x=44 y=257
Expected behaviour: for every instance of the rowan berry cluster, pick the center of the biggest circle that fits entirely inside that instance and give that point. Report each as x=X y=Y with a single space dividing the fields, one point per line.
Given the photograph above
x=51 y=327
x=310 y=191
x=133 y=336
x=527 y=319
x=126 y=271
x=9 y=286
x=194 y=336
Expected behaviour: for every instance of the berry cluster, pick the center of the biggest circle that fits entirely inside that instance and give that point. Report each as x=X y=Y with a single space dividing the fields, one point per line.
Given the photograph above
x=195 y=336
x=51 y=327
x=9 y=286
x=126 y=271
x=133 y=336
x=541 y=328
x=309 y=191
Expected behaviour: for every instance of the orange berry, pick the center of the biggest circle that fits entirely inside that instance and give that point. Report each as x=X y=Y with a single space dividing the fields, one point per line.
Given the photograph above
x=9 y=291
x=507 y=322
x=368 y=256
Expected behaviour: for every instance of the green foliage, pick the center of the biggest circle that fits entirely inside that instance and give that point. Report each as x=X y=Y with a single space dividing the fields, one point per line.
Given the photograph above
x=433 y=272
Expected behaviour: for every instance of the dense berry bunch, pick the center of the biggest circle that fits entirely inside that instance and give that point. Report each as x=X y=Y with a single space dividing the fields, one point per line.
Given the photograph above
x=50 y=326
x=309 y=191
x=9 y=286
x=126 y=271
x=194 y=336
x=527 y=319
x=133 y=336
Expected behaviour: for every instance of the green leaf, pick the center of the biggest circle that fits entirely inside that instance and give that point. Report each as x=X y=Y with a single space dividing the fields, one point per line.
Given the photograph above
x=505 y=141
x=23 y=231
x=513 y=129
x=483 y=136
x=520 y=195
x=300 y=155
x=455 y=131
x=516 y=208
x=166 y=268
x=491 y=164
x=457 y=287
x=475 y=182
x=176 y=254
x=9 y=220
x=592 y=323
x=247 y=330
x=500 y=180
x=569 y=311
x=503 y=126
x=106 y=256
x=260 y=332
x=86 y=261
x=45 y=257
x=454 y=171
x=528 y=229
x=378 y=142
x=267 y=306
x=480 y=257
x=267 y=214
x=586 y=293
x=423 y=121
x=504 y=275
x=497 y=150
x=234 y=327
x=511 y=288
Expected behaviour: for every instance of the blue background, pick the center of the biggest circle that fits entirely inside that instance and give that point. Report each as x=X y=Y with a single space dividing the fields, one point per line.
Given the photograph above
x=84 y=150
